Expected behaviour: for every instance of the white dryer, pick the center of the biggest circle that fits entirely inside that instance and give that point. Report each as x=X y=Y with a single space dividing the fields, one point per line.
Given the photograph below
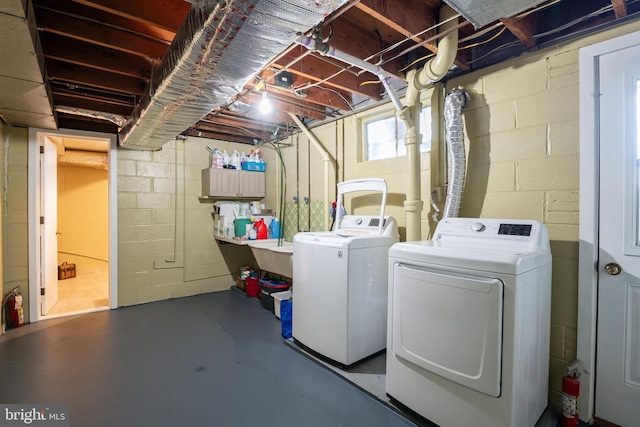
x=340 y=282
x=469 y=323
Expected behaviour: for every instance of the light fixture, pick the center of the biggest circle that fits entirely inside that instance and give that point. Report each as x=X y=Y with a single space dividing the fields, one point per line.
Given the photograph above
x=265 y=105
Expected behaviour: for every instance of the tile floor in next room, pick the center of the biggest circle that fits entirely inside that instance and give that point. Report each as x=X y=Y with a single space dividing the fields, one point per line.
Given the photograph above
x=210 y=360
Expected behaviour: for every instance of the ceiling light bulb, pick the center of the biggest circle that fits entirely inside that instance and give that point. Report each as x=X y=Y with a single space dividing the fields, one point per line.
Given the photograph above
x=265 y=105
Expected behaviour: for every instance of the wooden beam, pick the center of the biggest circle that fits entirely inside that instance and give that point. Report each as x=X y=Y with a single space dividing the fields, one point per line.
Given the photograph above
x=89 y=94
x=394 y=15
x=97 y=16
x=86 y=123
x=100 y=35
x=61 y=71
x=219 y=136
x=332 y=98
x=98 y=57
x=522 y=29
x=619 y=8
x=85 y=104
x=316 y=69
x=167 y=14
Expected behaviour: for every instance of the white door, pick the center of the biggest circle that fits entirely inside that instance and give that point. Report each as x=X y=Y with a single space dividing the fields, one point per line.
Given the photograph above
x=49 y=225
x=617 y=393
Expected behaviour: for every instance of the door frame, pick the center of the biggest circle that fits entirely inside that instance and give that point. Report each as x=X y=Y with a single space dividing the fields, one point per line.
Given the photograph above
x=589 y=58
x=34 y=213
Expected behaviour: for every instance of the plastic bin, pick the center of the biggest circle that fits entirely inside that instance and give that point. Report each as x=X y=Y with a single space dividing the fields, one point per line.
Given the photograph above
x=254 y=166
x=252 y=287
x=278 y=297
x=268 y=288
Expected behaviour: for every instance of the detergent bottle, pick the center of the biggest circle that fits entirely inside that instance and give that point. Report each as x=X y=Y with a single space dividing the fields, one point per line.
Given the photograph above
x=274 y=228
x=261 y=228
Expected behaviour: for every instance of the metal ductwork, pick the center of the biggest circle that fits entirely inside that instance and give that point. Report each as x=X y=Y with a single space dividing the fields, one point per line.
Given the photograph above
x=454 y=102
x=25 y=97
x=483 y=12
x=220 y=46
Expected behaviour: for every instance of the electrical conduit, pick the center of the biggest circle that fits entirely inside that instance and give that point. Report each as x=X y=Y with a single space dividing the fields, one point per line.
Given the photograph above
x=434 y=70
x=326 y=158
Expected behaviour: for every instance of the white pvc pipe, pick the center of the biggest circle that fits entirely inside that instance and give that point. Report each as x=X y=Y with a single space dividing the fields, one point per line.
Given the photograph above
x=331 y=52
x=418 y=80
x=326 y=158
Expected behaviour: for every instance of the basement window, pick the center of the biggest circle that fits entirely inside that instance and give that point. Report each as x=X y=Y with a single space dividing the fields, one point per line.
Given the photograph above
x=384 y=135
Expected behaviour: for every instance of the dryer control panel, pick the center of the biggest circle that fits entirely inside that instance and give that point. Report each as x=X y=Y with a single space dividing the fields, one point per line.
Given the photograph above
x=527 y=233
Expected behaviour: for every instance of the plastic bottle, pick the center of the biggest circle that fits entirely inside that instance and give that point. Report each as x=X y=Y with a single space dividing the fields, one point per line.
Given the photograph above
x=274 y=228
x=219 y=162
x=259 y=158
x=235 y=159
x=243 y=158
x=261 y=228
x=226 y=158
x=252 y=156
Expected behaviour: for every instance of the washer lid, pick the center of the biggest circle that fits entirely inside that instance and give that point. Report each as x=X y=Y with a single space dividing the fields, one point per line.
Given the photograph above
x=503 y=259
x=337 y=240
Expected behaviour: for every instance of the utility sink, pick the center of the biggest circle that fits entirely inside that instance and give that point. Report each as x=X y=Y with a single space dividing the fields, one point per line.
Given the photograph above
x=273 y=258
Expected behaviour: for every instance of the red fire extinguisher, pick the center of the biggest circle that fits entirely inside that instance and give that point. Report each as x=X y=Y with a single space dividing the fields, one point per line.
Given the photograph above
x=570 y=399
x=13 y=310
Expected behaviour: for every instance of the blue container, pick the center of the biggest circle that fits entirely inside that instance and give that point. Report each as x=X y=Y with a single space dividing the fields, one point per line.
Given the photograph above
x=286 y=308
x=254 y=166
x=275 y=232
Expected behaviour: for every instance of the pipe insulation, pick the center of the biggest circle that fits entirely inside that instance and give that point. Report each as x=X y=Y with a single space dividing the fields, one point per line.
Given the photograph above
x=219 y=48
x=454 y=102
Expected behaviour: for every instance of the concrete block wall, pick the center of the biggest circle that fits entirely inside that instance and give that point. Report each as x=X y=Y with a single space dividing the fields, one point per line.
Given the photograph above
x=522 y=141
x=15 y=225
x=166 y=247
x=521 y=130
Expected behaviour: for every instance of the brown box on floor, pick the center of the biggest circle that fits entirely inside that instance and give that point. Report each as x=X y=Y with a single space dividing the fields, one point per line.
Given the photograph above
x=66 y=271
x=240 y=284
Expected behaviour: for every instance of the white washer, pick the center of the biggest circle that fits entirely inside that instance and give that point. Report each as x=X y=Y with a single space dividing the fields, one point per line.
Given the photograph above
x=340 y=282
x=469 y=321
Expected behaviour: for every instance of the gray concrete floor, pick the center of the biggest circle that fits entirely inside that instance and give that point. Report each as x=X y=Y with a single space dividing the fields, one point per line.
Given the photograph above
x=210 y=360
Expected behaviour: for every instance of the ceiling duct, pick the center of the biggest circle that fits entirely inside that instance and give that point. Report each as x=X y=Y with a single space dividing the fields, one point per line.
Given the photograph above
x=483 y=12
x=25 y=97
x=220 y=46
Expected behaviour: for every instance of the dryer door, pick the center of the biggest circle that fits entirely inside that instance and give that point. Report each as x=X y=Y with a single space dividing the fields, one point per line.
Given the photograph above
x=449 y=324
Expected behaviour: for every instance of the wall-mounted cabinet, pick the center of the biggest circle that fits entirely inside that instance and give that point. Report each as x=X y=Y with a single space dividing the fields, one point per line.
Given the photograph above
x=233 y=184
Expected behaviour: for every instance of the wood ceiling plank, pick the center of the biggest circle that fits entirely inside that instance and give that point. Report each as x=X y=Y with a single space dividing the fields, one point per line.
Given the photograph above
x=61 y=71
x=619 y=8
x=331 y=98
x=69 y=121
x=317 y=69
x=394 y=15
x=100 y=35
x=89 y=55
x=71 y=93
x=100 y=17
x=85 y=104
x=167 y=14
x=522 y=29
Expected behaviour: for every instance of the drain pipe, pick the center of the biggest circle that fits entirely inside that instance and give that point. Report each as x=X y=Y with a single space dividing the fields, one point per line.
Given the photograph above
x=326 y=158
x=316 y=44
x=435 y=69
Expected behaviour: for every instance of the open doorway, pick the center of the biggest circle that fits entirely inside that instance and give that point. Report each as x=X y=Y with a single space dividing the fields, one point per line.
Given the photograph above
x=72 y=223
